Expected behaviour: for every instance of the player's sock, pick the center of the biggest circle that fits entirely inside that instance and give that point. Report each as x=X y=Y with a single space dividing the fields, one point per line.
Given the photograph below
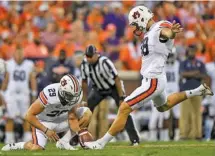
x=153 y=135
x=195 y=92
x=27 y=136
x=165 y=134
x=177 y=134
x=105 y=139
x=9 y=137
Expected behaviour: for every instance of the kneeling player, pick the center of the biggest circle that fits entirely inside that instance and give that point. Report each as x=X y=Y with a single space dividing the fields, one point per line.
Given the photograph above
x=57 y=109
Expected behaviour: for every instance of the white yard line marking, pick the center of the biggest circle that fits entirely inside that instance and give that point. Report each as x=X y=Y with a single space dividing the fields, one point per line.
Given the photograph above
x=164 y=146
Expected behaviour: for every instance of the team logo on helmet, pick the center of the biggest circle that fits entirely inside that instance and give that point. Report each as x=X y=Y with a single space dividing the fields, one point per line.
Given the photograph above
x=63 y=82
x=136 y=15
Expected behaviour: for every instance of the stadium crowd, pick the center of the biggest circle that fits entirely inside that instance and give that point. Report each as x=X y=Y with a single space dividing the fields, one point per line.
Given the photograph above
x=55 y=34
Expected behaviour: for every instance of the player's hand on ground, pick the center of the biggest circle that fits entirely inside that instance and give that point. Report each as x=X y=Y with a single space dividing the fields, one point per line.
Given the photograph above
x=52 y=135
x=176 y=27
x=85 y=120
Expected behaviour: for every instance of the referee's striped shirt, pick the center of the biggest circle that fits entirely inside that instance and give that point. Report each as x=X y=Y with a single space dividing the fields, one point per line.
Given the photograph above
x=102 y=73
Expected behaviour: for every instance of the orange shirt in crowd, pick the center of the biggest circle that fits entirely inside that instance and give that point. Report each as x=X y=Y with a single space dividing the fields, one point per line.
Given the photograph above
x=69 y=49
x=3 y=13
x=126 y=57
x=33 y=51
x=192 y=41
x=7 y=51
x=210 y=51
x=94 y=18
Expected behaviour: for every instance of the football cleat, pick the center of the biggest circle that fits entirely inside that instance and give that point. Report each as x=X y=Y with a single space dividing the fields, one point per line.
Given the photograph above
x=205 y=90
x=64 y=145
x=10 y=147
x=94 y=145
x=135 y=143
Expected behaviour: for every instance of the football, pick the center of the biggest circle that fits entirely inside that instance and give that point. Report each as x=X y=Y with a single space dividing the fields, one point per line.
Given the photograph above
x=84 y=136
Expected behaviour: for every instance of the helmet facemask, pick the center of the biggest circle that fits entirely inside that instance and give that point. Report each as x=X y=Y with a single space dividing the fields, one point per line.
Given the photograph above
x=69 y=98
x=69 y=90
x=139 y=29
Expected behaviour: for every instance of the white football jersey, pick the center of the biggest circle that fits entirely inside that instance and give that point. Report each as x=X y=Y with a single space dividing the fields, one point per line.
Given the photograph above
x=172 y=75
x=210 y=67
x=54 y=111
x=155 y=51
x=19 y=76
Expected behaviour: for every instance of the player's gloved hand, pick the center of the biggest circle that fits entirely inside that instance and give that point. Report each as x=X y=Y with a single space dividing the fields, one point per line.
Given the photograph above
x=52 y=135
x=85 y=120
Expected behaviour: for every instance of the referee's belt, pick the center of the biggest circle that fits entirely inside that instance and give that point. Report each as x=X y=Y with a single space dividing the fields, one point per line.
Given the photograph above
x=108 y=91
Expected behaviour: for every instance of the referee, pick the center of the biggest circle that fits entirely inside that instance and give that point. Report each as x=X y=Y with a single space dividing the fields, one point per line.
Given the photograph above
x=105 y=82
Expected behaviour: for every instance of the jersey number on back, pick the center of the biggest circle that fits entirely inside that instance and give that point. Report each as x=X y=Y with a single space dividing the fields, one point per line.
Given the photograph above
x=144 y=47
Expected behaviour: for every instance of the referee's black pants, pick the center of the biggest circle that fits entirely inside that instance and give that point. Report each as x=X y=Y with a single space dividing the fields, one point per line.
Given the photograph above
x=95 y=97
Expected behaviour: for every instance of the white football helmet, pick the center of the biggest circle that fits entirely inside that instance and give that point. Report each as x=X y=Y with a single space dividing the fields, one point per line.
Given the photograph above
x=70 y=89
x=139 y=16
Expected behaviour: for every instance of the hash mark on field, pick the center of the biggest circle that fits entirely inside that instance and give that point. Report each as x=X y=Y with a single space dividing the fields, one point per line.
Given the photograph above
x=165 y=146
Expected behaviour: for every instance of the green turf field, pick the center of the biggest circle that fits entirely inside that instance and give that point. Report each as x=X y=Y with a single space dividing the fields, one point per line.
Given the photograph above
x=193 y=148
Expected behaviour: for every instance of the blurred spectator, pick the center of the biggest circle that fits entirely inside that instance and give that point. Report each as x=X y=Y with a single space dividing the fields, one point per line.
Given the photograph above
x=62 y=67
x=170 y=11
x=116 y=17
x=95 y=16
x=76 y=5
x=7 y=49
x=50 y=37
x=80 y=20
x=41 y=76
x=192 y=73
x=67 y=44
x=36 y=50
x=130 y=55
x=112 y=42
x=78 y=58
x=41 y=21
x=93 y=38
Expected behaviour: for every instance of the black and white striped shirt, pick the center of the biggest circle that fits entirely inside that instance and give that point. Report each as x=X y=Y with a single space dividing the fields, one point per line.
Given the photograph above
x=102 y=73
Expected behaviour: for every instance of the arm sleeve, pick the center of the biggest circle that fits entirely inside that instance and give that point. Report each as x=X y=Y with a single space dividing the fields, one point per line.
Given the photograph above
x=43 y=97
x=164 y=24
